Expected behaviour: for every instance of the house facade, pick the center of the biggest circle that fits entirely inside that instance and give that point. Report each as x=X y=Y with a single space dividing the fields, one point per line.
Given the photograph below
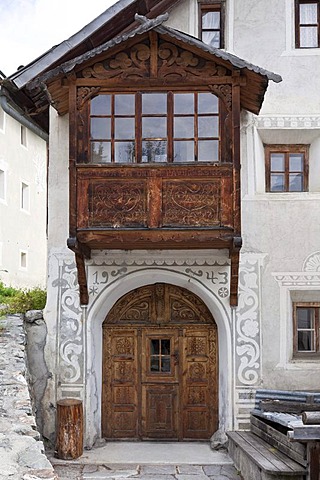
x=184 y=251
x=23 y=198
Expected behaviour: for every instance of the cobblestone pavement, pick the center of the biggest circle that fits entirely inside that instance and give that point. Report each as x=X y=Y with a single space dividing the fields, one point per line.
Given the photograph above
x=146 y=472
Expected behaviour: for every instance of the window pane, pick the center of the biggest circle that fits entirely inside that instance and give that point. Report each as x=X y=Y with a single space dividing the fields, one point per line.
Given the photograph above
x=124 y=128
x=208 y=127
x=124 y=152
x=305 y=318
x=154 y=346
x=277 y=162
x=183 y=127
x=184 y=103
x=308 y=13
x=309 y=37
x=183 y=151
x=306 y=342
x=207 y=103
x=296 y=162
x=277 y=182
x=165 y=364
x=165 y=347
x=295 y=182
x=124 y=104
x=155 y=127
x=101 y=105
x=211 y=20
x=154 y=151
x=154 y=364
x=211 y=38
x=208 y=151
x=101 y=128
x=154 y=103
x=100 y=152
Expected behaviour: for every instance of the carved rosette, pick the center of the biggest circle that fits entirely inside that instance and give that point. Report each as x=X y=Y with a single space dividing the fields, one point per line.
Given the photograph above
x=312 y=263
x=247 y=335
x=70 y=331
x=191 y=203
x=116 y=204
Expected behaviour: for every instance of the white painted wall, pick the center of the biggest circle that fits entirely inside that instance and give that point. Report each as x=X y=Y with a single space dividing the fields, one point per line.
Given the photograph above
x=280 y=232
x=22 y=230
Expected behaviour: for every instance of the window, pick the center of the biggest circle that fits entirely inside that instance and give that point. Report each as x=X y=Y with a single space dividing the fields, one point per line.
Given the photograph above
x=306 y=328
x=24 y=196
x=23 y=135
x=160 y=355
x=23 y=260
x=1 y=119
x=307 y=23
x=286 y=168
x=211 y=23
x=2 y=185
x=155 y=127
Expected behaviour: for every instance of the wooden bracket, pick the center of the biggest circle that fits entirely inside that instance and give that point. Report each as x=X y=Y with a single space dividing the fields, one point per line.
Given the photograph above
x=234 y=278
x=81 y=253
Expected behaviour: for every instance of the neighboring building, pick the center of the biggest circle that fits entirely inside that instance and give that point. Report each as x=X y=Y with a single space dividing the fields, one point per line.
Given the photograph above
x=151 y=322
x=23 y=203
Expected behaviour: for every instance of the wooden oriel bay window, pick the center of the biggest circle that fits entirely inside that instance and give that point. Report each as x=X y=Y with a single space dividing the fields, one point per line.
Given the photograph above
x=307 y=23
x=306 y=328
x=155 y=127
x=211 y=23
x=286 y=168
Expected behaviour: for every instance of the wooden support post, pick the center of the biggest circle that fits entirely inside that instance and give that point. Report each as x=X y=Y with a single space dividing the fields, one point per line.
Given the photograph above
x=234 y=277
x=82 y=252
x=314 y=460
x=69 y=440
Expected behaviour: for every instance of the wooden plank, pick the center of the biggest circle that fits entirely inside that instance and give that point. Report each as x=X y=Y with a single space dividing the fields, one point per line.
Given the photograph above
x=278 y=459
x=305 y=434
x=311 y=418
x=280 y=441
x=287 y=407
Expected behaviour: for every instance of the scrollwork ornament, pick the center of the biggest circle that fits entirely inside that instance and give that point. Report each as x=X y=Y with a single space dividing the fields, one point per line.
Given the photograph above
x=84 y=94
x=247 y=327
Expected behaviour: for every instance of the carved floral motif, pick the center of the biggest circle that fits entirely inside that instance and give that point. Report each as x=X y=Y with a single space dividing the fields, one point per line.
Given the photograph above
x=191 y=203
x=84 y=94
x=117 y=204
x=197 y=346
x=312 y=263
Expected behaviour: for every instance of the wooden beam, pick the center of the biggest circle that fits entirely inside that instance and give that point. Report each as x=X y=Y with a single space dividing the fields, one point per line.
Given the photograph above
x=82 y=279
x=234 y=277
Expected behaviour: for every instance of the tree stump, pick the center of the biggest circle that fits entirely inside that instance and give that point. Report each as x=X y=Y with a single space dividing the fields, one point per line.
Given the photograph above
x=69 y=440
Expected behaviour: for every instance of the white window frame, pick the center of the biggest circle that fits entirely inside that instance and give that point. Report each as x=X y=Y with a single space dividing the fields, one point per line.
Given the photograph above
x=3 y=178
x=23 y=136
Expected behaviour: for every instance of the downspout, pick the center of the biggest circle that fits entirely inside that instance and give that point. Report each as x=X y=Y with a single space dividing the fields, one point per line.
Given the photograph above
x=18 y=114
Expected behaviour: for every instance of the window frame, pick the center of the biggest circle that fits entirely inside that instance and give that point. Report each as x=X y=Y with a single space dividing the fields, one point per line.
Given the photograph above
x=24 y=200
x=307 y=353
x=212 y=6
x=23 y=136
x=298 y=24
x=286 y=150
x=170 y=139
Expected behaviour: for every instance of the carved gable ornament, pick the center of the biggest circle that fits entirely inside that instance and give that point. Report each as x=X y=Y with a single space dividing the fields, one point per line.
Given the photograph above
x=156 y=58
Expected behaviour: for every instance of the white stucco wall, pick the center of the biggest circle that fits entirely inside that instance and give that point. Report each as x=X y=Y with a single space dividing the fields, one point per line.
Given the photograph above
x=22 y=231
x=279 y=259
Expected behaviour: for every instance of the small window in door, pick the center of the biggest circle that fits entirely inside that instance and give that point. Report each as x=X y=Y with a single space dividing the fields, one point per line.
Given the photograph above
x=160 y=359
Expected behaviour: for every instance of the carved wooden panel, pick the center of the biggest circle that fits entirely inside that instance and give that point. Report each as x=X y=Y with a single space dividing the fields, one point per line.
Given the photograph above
x=160 y=408
x=117 y=204
x=191 y=203
x=159 y=304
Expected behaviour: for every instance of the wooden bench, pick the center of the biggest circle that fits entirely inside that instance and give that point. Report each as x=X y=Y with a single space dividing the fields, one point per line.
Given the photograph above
x=258 y=460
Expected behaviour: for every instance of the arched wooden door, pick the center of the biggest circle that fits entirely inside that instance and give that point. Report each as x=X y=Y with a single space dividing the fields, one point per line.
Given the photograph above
x=160 y=366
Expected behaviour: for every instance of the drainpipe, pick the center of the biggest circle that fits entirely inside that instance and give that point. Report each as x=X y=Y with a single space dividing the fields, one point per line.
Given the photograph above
x=18 y=114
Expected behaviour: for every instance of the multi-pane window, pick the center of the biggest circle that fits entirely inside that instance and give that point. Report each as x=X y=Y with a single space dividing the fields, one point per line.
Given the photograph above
x=160 y=355
x=155 y=127
x=307 y=20
x=286 y=168
x=306 y=328
x=211 y=20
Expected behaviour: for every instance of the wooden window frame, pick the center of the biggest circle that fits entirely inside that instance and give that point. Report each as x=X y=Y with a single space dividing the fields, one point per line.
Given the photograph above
x=304 y=354
x=170 y=138
x=212 y=6
x=287 y=150
x=297 y=22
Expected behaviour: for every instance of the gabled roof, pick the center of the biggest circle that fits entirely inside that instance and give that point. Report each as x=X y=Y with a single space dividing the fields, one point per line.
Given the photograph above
x=157 y=25
x=116 y=19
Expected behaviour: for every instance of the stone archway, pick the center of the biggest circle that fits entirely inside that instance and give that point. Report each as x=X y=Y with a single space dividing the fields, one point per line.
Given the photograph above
x=160 y=367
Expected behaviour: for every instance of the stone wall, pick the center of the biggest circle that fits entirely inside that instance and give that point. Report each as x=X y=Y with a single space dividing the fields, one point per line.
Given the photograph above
x=21 y=451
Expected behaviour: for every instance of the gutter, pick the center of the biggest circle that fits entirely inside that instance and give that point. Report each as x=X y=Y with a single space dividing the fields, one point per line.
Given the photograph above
x=12 y=109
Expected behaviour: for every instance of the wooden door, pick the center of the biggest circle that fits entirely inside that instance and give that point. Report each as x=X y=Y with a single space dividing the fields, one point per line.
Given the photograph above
x=160 y=381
